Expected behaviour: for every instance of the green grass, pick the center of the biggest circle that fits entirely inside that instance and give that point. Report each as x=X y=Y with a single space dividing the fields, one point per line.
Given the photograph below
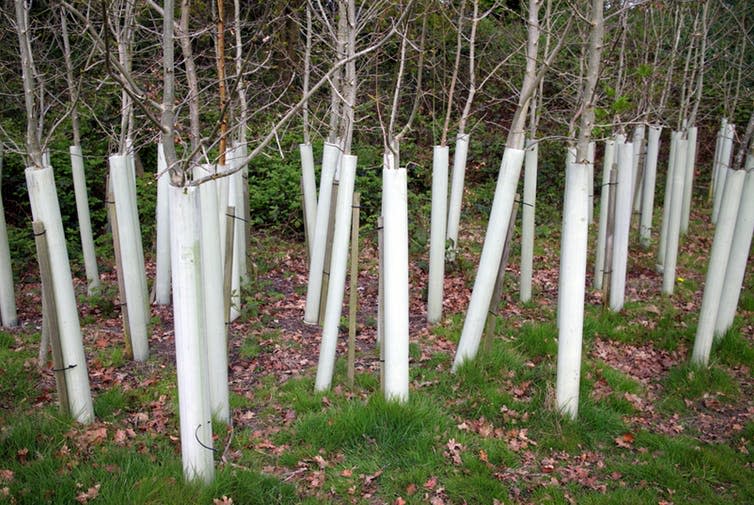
x=733 y=349
x=481 y=434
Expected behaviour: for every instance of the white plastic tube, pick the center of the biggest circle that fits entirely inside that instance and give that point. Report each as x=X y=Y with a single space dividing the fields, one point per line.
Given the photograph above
x=527 y=220
x=713 y=283
x=394 y=187
x=726 y=152
x=492 y=251
x=573 y=252
x=309 y=186
x=599 y=254
x=437 y=233
x=663 y=246
x=330 y=161
x=133 y=207
x=162 y=274
x=128 y=232
x=456 y=189
x=648 y=187
x=739 y=254
x=623 y=209
x=674 y=218
x=590 y=163
x=190 y=340
x=688 y=181
x=569 y=160
x=7 y=294
x=214 y=301
x=570 y=155
x=338 y=268
x=85 y=223
x=45 y=208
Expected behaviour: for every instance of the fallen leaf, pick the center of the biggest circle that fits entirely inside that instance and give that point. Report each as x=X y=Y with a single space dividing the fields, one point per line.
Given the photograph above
x=89 y=494
x=6 y=475
x=320 y=461
x=454 y=451
x=22 y=455
x=371 y=478
x=626 y=440
x=94 y=436
x=222 y=501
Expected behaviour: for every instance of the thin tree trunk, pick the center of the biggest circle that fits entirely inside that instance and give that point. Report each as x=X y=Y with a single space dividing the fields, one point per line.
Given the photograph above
x=575 y=228
x=700 y=67
x=220 y=51
x=453 y=77
x=350 y=85
x=167 y=118
x=33 y=148
x=307 y=72
x=502 y=204
x=77 y=168
x=241 y=85
x=192 y=81
x=677 y=24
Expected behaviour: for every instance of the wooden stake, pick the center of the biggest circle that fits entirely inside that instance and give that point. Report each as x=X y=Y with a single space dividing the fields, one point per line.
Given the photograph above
x=119 y=270
x=44 y=343
x=49 y=313
x=328 y=252
x=353 y=286
x=497 y=293
x=637 y=189
x=228 y=260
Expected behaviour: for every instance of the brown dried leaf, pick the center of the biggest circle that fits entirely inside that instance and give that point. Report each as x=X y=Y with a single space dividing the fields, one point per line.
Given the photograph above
x=369 y=479
x=89 y=494
x=22 y=455
x=320 y=461
x=626 y=440
x=454 y=451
